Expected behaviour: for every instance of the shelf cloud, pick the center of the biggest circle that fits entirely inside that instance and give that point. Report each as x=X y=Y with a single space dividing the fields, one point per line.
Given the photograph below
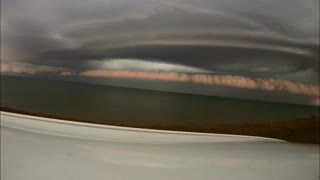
x=272 y=45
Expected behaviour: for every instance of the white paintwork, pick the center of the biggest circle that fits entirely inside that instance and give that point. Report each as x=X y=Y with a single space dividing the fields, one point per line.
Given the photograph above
x=35 y=148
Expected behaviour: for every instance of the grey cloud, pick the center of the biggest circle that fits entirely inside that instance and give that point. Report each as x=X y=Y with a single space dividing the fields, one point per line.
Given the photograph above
x=31 y=43
x=79 y=54
x=276 y=18
x=307 y=75
x=19 y=26
x=26 y=48
x=162 y=20
x=251 y=38
x=208 y=57
x=299 y=18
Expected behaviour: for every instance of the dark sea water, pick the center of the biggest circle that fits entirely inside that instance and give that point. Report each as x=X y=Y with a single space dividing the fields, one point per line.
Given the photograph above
x=135 y=107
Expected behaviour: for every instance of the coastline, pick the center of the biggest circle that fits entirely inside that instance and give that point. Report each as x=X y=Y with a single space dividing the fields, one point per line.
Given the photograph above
x=305 y=130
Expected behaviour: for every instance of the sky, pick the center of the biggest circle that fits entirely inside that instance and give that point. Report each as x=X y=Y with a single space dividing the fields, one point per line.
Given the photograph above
x=250 y=49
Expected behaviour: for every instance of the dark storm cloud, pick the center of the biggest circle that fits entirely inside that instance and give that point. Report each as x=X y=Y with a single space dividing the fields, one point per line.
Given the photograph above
x=80 y=30
x=79 y=54
x=31 y=43
x=204 y=41
x=251 y=38
x=207 y=57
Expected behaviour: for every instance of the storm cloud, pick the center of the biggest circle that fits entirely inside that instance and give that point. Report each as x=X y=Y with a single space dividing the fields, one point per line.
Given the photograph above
x=253 y=39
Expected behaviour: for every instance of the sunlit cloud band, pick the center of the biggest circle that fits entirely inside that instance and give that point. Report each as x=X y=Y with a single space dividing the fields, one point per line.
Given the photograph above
x=24 y=68
x=209 y=79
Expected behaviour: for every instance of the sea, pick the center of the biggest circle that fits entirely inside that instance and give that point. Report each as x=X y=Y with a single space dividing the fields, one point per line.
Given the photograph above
x=111 y=105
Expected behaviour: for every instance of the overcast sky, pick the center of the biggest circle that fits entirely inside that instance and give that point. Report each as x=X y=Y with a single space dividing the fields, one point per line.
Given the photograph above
x=268 y=46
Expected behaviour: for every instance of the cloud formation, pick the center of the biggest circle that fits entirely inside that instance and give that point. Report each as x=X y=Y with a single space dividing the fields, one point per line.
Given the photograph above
x=271 y=40
x=142 y=65
x=224 y=80
x=23 y=68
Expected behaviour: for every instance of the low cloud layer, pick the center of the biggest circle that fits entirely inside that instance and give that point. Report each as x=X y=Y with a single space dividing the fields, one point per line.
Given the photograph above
x=224 y=80
x=315 y=101
x=23 y=68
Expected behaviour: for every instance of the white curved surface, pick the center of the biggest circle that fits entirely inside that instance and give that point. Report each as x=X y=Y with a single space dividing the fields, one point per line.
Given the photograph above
x=34 y=148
